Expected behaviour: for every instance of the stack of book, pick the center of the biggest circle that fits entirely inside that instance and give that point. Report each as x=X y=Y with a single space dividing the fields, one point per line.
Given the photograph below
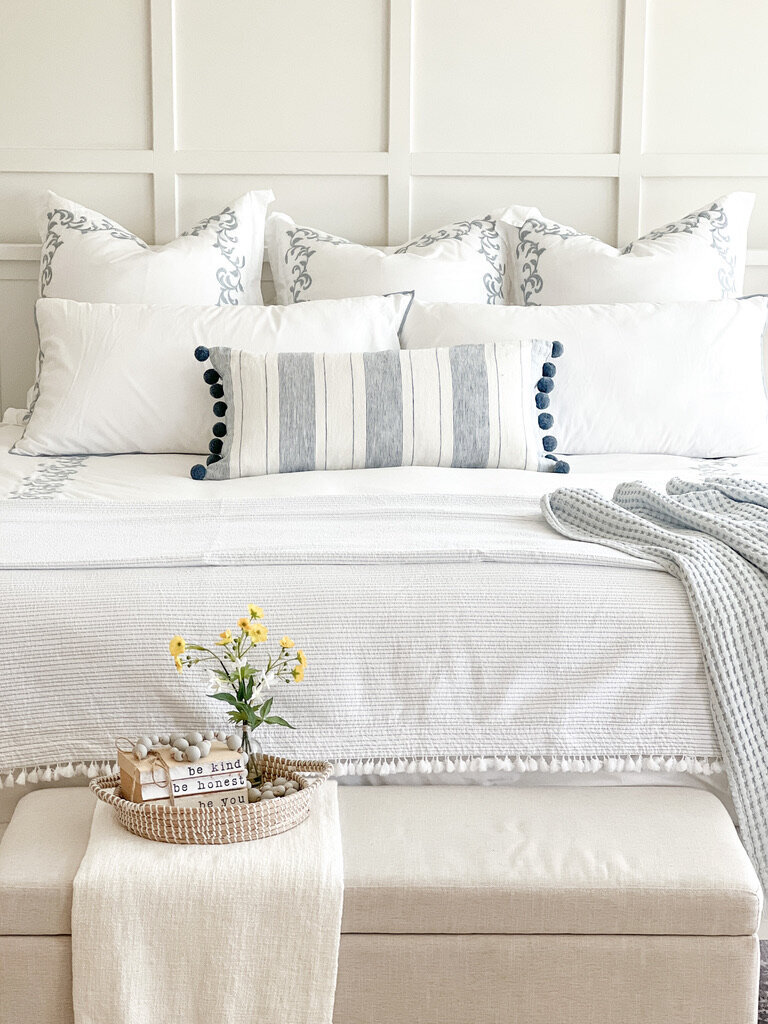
x=216 y=780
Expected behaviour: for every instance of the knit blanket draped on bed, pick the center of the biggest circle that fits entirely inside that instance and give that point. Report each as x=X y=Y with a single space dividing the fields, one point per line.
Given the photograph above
x=713 y=536
x=240 y=932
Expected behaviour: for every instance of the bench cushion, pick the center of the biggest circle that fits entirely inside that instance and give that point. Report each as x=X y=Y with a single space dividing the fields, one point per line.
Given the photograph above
x=444 y=860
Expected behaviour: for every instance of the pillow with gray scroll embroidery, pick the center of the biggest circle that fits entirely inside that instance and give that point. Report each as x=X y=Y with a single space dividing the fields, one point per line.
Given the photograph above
x=699 y=257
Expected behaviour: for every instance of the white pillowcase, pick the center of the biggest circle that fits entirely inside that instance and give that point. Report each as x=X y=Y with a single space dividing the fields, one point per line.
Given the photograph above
x=677 y=378
x=701 y=256
x=90 y=258
x=464 y=262
x=123 y=378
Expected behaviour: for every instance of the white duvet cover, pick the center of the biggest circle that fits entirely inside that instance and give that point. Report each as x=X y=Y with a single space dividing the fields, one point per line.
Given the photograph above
x=450 y=633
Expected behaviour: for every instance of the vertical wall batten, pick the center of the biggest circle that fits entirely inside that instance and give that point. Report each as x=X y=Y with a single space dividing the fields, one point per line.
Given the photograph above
x=163 y=120
x=400 y=110
x=631 y=130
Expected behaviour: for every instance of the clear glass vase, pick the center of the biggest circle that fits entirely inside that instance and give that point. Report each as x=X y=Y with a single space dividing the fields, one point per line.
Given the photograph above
x=252 y=751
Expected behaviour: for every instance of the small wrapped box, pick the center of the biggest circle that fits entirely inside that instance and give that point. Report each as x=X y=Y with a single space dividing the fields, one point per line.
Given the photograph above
x=211 y=781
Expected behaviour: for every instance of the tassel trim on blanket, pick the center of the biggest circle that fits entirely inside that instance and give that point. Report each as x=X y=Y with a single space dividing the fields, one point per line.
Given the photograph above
x=590 y=765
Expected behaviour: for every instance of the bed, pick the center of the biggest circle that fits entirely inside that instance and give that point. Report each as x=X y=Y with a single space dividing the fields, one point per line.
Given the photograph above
x=485 y=647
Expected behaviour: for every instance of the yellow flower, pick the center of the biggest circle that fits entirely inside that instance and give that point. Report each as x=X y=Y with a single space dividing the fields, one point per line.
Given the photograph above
x=298 y=673
x=177 y=663
x=177 y=645
x=257 y=632
x=286 y=642
x=226 y=638
x=301 y=658
x=244 y=624
x=255 y=612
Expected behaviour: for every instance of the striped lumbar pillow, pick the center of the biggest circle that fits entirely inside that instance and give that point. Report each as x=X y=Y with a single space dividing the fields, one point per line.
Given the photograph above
x=468 y=406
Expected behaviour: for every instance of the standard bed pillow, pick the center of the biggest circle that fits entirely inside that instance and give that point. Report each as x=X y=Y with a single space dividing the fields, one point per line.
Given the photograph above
x=701 y=256
x=676 y=378
x=119 y=379
x=469 y=406
x=90 y=258
x=464 y=262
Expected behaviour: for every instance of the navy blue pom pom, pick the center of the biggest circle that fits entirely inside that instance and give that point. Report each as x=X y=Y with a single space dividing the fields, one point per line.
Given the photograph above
x=548 y=370
x=545 y=384
x=201 y=354
x=542 y=401
x=219 y=408
x=215 y=446
x=198 y=472
x=211 y=459
x=210 y=376
x=216 y=390
x=549 y=443
x=546 y=420
x=561 y=467
x=219 y=429
x=557 y=349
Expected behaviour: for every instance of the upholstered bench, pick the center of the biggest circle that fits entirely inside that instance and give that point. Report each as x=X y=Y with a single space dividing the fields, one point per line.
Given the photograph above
x=468 y=906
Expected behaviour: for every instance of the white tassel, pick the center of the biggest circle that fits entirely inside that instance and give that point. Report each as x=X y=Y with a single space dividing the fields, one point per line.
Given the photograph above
x=47 y=775
x=93 y=770
x=8 y=781
x=21 y=778
x=32 y=776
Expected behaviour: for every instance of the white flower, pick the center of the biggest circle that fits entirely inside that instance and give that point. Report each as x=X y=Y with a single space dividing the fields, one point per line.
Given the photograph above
x=215 y=685
x=239 y=663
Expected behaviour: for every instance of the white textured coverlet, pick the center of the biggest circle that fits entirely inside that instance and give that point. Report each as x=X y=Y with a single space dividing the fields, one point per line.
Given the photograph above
x=197 y=934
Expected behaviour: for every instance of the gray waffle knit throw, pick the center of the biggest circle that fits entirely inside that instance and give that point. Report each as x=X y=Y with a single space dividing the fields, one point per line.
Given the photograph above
x=713 y=536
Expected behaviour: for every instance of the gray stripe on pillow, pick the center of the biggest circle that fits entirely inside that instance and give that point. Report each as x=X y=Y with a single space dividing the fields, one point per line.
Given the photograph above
x=383 y=409
x=296 y=373
x=471 y=426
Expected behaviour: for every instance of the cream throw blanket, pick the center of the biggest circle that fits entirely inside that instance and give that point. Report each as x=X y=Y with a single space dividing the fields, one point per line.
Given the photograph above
x=209 y=933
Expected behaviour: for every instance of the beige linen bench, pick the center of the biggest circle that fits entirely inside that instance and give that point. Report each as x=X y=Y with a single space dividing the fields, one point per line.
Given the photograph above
x=468 y=906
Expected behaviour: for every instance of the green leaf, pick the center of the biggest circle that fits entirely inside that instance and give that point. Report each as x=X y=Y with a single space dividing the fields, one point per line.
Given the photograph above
x=229 y=698
x=266 y=707
x=253 y=720
x=277 y=720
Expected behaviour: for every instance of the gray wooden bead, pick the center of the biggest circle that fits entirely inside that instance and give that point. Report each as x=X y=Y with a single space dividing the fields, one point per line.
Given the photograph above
x=140 y=750
x=233 y=741
x=205 y=747
x=178 y=756
x=194 y=738
x=221 y=736
x=193 y=753
x=280 y=781
x=146 y=741
x=253 y=796
x=279 y=790
x=164 y=739
x=208 y=735
x=175 y=736
x=181 y=743
x=267 y=794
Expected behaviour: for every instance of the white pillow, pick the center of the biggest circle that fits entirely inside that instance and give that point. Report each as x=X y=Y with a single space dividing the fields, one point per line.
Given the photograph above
x=677 y=378
x=464 y=262
x=700 y=256
x=90 y=258
x=124 y=379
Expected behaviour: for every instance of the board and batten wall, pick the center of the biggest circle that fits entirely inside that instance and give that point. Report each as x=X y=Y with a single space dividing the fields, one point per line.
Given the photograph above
x=373 y=119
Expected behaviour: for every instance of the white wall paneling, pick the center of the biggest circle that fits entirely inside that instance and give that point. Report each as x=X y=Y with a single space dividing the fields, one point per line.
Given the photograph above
x=374 y=119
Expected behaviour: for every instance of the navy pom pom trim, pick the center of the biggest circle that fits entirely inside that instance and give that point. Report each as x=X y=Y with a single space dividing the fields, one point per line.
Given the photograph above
x=557 y=349
x=545 y=384
x=219 y=429
x=542 y=401
x=549 y=443
x=216 y=390
x=201 y=354
x=198 y=472
x=546 y=420
x=211 y=459
x=548 y=370
x=215 y=446
x=219 y=408
x=210 y=376
x=561 y=467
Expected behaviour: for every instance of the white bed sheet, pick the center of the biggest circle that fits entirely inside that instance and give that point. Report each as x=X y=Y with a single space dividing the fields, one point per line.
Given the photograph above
x=675 y=703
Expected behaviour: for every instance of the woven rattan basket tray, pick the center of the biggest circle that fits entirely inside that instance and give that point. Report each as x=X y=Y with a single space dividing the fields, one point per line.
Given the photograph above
x=206 y=826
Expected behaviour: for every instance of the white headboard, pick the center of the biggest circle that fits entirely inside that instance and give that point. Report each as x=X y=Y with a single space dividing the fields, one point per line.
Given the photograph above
x=374 y=119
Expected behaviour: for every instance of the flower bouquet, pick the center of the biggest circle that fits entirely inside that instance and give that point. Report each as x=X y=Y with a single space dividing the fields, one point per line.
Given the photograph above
x=236 y=679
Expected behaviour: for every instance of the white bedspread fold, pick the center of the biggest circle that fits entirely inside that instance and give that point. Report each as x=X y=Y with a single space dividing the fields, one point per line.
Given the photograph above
x=209 y=933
